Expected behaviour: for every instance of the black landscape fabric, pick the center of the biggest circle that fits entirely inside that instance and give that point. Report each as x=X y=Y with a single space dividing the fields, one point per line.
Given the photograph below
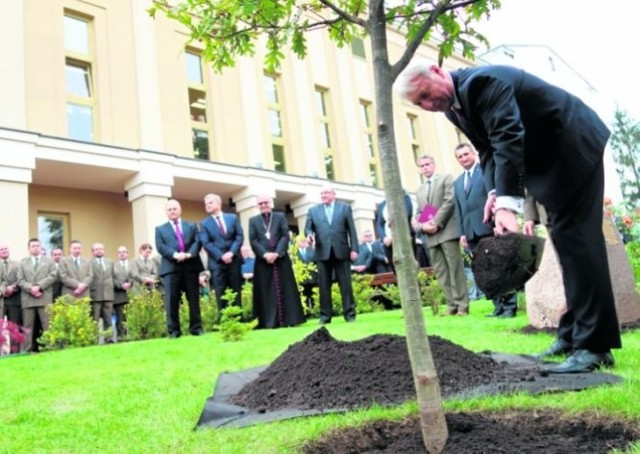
x=321 y=375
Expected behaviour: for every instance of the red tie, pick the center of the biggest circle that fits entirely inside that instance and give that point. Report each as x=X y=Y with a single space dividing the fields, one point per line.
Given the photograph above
x=221 y=225
x=179 y=236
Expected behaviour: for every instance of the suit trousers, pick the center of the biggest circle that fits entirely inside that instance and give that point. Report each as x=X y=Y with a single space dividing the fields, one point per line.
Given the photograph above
x=102 y=310
x=175 y=283
x=590 y=321
x=342 y=270
x=446 y=260
x=29 y=315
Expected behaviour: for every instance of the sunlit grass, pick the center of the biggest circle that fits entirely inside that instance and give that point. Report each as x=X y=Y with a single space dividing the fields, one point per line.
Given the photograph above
x=142 y=397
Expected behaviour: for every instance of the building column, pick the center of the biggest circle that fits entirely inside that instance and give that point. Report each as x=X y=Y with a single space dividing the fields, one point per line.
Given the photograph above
x=363 y=208
x=148 y=192
x=18 y=162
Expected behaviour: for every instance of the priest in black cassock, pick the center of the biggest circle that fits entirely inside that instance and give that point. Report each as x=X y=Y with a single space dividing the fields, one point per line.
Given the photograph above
x=276 y=299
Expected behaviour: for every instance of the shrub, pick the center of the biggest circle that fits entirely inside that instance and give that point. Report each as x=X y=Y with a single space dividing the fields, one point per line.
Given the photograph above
x=432 y=293
x=71 y=325
x=364 y=294
x=208 y=312
x=633 y=252
x=11 y=337
x=145 y=314
x=231 y=326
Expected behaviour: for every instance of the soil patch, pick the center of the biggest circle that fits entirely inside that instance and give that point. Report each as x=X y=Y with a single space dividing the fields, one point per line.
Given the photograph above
x=323 y=373
x=513 y=432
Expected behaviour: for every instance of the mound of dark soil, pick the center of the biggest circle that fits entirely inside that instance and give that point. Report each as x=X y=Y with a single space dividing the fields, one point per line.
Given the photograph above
x=321 y=372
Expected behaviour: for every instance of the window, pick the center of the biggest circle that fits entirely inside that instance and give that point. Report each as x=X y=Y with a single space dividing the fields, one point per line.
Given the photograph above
x=53 y=231
x=79 y=78
x=274 y=115
x=324 y=133
x=416 y=151
x=197 y=94
x=357 y=48
x=369 y=143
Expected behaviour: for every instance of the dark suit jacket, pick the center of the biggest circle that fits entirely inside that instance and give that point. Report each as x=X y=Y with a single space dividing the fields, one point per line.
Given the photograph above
x=381 y=220
x=167 y=245
x=279 y=229
x=516 y=120
x=340 y=235
x=215 y=243
x=470 y=206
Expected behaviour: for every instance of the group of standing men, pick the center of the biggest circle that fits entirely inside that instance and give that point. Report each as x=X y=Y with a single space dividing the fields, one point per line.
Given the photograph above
x=29 y=286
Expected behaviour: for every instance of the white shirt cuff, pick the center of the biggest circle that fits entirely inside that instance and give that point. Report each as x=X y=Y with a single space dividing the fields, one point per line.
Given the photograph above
x=510 y=203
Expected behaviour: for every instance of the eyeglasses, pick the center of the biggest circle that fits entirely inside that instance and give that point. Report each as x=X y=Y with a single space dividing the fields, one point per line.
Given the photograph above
x=263 y=203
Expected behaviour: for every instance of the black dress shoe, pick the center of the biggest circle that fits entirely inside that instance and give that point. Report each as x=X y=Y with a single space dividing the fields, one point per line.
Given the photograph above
x=559 y=347
x=495 y=313
x=350 y=319
x=507 y=314
x=582 y=361
x=197 y=332
x=175 y=334
x=325 y=321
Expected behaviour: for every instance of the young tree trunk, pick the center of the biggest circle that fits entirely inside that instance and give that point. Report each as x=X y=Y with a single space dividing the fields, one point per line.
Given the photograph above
x=432 y=418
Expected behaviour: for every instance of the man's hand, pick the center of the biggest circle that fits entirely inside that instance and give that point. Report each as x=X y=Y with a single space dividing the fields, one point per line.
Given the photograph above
x=505 y=222
x=354 y=256
x=529 y=228
x=489 y=208
x=387 y=241
x=463 y=242
x=227 y=257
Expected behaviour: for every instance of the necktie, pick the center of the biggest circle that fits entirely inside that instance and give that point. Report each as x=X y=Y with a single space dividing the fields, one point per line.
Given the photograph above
x=36 y=263
x=328 y=209
x=467 y=181
x=179 y=236
x=221 y=225
x=101 y=262
x=146 y=261
x=428 y=189
x=76 y=262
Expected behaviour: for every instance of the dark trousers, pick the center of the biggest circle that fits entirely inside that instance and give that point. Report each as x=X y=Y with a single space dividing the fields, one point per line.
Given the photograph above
x=228 y=276
x=174 y=284
x=342 y=269
x=591 y=321
x=118 y=309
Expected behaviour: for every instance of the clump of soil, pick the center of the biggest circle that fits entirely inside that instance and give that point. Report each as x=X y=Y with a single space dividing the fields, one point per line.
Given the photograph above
x=321 y=372
x=502 y=264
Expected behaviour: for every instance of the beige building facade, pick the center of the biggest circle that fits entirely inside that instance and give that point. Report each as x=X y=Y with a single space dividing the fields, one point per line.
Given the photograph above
x=107 y=112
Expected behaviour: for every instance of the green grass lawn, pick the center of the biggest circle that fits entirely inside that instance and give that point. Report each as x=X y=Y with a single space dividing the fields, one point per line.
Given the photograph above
x=146 y=397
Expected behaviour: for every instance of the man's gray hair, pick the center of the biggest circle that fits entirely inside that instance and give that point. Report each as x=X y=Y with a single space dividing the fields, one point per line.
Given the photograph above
x=404 y=84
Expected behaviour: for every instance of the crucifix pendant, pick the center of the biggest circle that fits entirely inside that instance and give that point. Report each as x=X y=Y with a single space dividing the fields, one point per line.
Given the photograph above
x=267 y=235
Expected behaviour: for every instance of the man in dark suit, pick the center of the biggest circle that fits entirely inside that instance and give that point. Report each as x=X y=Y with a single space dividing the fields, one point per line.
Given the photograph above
x=306 y=255
x=180 y=265
x=442 y=236
x=57 y=255
x=222 y=236
x=532 y=134
x=331 y=228
x=371 y=256
x=383 y=228
x=471 y=196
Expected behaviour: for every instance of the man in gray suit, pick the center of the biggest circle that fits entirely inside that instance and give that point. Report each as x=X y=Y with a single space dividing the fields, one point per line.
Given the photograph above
x=122 y=282
x=442 y=234
x=331 y=228
x=471 y=195
x=11 y=292
x=101 y=289
x=76 y=273
x=36 y=276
